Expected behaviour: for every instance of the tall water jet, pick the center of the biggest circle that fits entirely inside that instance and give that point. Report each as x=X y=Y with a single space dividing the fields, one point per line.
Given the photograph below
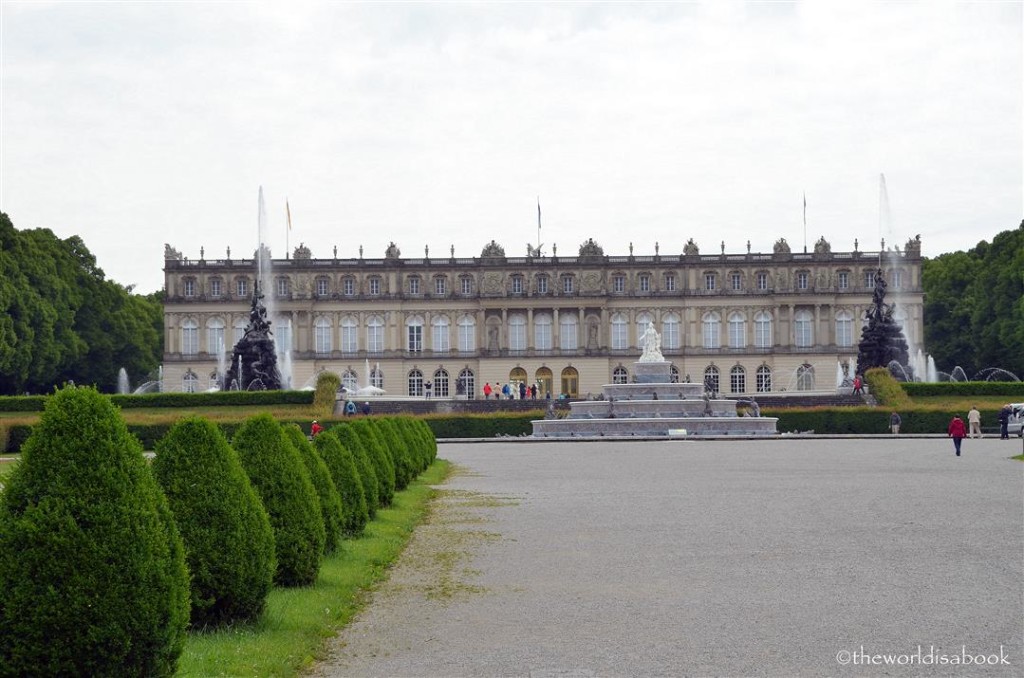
x=122 y=382
x=931 y=372
x=254 y=353
x=222 y=365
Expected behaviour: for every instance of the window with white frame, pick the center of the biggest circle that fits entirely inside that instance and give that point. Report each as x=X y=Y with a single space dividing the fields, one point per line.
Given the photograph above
x=542 y=332
x=844 y=328
x=763 y=329
x=869 y=278
x=843 y=280
x=803 y=329
x=348 y=286
x=670 y=338
x=805 y=377
x=322 y=335
x=737 y=330
x=377 y=378
x=712 y=326
x=618 y=284
x=373 y=286
x=349 y=380
x=712 y=378
x=801 y=280
x=468 y=381
x=542 y=284
x=189 y=287
x=620 y=331
x=349 y=334
x=709 y=281
x=645 y=283
x=215 y=336
x=190 y=337
x=414 y=334
x=620 y=375
x=190 y=382
x=643 y=319
x=283 y=335
x=283 y=287
x=567 y=284
x=415 y=383
x=323 y=287
x=242 y=287
x=215 y=288
x=440 y=334
x=440 y=286
x=737 y=281
x=764 y=379
x=414 y=285
x=897 y=278
x=467 y=334
x=238 y=331
x=762 y=281
x=568 y=331
x=670 y=282
x=737 y=379
x=466 y=285
x=517 y=332
x=375 y=334
x=517 y=284
x=441 y=380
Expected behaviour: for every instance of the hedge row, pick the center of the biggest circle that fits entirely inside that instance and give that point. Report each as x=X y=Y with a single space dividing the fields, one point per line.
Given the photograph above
x=1010 y=389
x=864 y=420
x=34 y=403
x=483 y=425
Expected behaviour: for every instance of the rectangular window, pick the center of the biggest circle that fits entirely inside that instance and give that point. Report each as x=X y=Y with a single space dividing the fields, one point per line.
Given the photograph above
x=869 y=279
x=567 y=285
x=645 y=283
x=517 y=284
x=467 y=285
x=215 y=288
x=349 y=337
x=415 y=338
x=190 y=287
x=467 y=338
x=670 y=283
x=517 y=334
x=374 y=286
x=283 y=337
x=542 y=333
x=542 y=285
x=322 y=286
x=375 y=338
x=801 y=280
x=282 y=287
x=738 y=381
x=737 y=281
x=414 y=285
x=762 y=281
x=619 y=284
x=348 y=286
x=439 y=286
x=709 y=281
x=242 y=287
x=441 y=341
x=897 y=279
x=843 y=280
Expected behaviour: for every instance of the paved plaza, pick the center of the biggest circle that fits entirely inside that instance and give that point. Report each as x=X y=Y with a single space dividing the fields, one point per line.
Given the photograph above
x=778 y=557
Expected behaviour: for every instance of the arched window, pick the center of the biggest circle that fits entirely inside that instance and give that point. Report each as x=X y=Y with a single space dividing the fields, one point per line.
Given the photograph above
x=376 y=378
x=467 y=334
x=190 y=382
x=568 y=333
x=189 y=337
x=571 y=382
x=642 y=321
x=414 y=334
x=215 y=336
x=738 y=379
x=375 y=334
x=803 y=328
x=349 y=334
x=517 y=332
x=620 y=375
x=542 y=331
x=712 y=324
x=466 y=384
x=322 y=335
x=737 y=330
x=441 y=383
x=763 y=329
x=238 y=331
x=517 y=375
x=764 y=379
x=844 y=328
x=440 y=335
x=712 y=378
x=545 y=382
x=283 y=335
x=805 y=377
x=620 y=331
x=415 y=383
x=350 y=380
x=670 y=331
x=673 y=374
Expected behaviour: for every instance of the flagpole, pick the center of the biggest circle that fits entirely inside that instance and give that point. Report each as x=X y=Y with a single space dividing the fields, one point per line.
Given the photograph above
x=288 y=231
x=805 y=222
x=538 y=225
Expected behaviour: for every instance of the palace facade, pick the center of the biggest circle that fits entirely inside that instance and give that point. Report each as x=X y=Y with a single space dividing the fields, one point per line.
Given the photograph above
x=750 y=322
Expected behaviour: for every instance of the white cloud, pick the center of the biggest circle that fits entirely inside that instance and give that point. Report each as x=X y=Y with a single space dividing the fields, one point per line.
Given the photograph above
x=136 y=124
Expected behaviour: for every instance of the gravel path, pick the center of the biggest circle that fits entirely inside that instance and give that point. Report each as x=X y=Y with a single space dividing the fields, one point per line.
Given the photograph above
x=706 y=558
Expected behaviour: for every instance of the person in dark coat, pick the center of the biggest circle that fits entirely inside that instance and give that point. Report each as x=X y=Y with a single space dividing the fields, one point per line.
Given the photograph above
x=957 y=431
x=1004 y=423
x=522 y=390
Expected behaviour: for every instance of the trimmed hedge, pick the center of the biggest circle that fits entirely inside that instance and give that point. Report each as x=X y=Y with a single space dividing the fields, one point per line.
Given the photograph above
x=884 y=387
x=283 y=483
x=483 y=426
x=92 y=568
x=865 y=420
x=1010 y=389
x=228 y=539
x=364 y=465
x=397 y=447
x=325 y=394
x=34 y=403
x=326 y=490
x=382 y=462
x=342 y=465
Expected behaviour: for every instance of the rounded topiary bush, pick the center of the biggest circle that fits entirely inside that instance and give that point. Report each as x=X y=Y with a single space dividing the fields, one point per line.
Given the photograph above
x=342 y=466
x=327 y=385
x=283 y=483
x=364 y=465
x=92 y=568
x=327 y=491
x=389 y=438
x=228 y=539
x=416 y=441
x=382 y=462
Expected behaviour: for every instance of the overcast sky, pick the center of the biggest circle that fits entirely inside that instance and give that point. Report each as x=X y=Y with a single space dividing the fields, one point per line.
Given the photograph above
x=134 y=124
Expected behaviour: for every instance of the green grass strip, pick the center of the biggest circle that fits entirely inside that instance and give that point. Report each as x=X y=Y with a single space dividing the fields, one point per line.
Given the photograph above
x=293 y=631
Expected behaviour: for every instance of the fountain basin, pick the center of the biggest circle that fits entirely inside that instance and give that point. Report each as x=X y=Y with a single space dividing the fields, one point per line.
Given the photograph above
x=655 y=426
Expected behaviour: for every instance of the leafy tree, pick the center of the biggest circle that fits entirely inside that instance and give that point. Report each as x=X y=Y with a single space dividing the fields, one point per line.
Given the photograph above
x=227 y=533
x=92 y=568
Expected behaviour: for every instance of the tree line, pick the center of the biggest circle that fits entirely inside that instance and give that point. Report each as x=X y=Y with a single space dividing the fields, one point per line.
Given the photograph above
x=61 y=319
x=974 y=306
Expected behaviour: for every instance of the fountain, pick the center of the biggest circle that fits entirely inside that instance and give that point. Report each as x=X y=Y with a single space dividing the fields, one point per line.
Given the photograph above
x=152 y=385
x=254 y=362
x=123 y=387
x=882 y=342
x=654 y=406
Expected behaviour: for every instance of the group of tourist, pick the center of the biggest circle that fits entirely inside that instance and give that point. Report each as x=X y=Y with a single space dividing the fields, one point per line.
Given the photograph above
x=958 y=430
x=510 y=391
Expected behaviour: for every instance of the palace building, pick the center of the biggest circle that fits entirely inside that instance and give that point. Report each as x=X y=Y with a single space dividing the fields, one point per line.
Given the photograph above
x=749 y=322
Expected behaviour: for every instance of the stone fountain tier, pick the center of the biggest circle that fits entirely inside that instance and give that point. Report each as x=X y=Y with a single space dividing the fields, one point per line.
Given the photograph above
x=657 y=426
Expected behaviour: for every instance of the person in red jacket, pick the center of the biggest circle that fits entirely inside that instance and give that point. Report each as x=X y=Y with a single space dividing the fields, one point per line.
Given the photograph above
x=957 y=431
x=315 y=429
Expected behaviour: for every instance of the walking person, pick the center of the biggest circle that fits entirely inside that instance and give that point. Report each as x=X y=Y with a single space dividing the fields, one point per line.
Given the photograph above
x=487 y=391
x=1004 y=423
x=858 y=385
x=894 y=423
x=315 y=429
x=974 y=421
x=957 y=431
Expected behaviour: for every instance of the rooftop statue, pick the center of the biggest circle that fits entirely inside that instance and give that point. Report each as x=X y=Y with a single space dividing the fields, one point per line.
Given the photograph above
x=691 y=248
x=493 y=249
x=591 y=249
